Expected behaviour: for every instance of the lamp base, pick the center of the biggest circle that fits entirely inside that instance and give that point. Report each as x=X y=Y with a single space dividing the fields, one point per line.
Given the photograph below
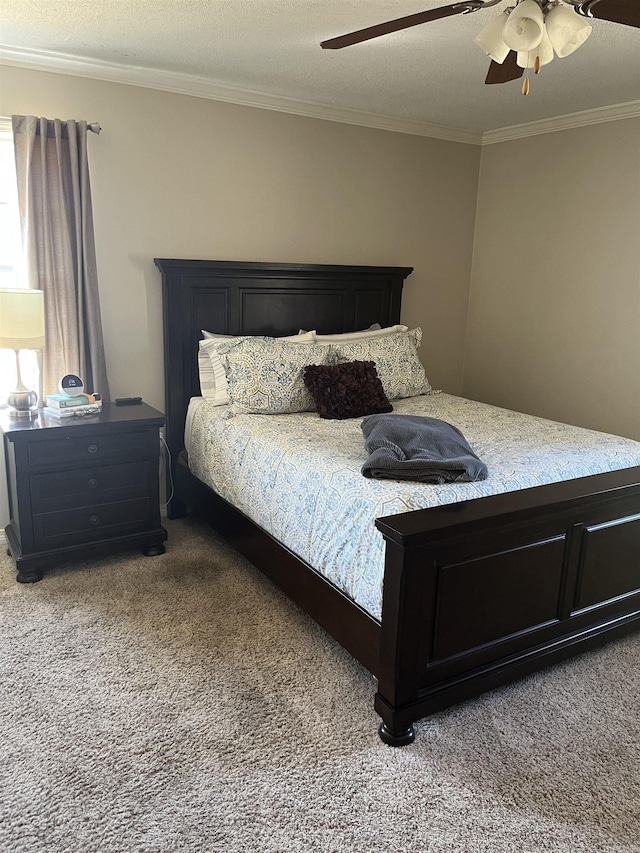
x=22 y=404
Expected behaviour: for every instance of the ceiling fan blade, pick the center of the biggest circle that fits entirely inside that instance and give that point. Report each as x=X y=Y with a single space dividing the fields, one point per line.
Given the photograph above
x=618 y=11
x=506 y=71
x=397 y=24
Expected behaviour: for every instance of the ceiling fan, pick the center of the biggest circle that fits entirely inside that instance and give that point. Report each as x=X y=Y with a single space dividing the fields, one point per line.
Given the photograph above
x=526 y=35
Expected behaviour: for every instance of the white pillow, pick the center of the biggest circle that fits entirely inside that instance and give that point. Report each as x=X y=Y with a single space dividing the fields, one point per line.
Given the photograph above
x=360 y=336
x=211 y=335
x=371 y=328
x=396 y=360
x=213 y=381
x=266 y=375
x=206 y=334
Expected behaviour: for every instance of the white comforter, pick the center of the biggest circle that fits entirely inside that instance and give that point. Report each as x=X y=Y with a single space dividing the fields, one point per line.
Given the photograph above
x=298 y=476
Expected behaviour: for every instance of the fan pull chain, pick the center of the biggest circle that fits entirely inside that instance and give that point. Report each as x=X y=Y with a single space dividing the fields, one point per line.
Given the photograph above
x=526 y=85
x=525 y=80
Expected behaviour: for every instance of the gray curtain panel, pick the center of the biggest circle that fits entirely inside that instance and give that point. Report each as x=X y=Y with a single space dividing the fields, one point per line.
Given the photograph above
x=54 y=196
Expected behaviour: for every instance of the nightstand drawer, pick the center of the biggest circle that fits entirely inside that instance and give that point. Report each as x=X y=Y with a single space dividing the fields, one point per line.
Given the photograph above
x=83 y=487
x=94 y=447
x=75 y=526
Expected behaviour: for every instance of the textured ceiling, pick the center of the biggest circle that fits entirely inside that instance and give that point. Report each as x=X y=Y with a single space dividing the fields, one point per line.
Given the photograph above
x=432 y=73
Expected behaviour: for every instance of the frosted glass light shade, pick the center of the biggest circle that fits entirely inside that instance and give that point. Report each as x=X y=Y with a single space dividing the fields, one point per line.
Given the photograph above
x=567 y=30
x=523 y=30
x=21 y=319
x=527 y=58
x=490 y=40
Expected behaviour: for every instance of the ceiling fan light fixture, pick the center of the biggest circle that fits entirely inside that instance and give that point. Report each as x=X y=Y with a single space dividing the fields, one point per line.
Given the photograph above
x=527 y=58
x=490 y=40
x=566 y=29
x=524 y=27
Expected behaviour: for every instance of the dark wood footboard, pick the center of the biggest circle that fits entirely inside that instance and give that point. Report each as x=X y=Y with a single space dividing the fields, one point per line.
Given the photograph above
x=479 y=593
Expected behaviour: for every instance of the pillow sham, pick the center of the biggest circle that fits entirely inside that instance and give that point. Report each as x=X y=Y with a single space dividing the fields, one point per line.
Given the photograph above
x=266 y=375
x=348 y=390
x=396 y=360
x=213 y=381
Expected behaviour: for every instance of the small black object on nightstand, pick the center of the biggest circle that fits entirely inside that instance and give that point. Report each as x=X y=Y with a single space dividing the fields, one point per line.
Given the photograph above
x=128 y=401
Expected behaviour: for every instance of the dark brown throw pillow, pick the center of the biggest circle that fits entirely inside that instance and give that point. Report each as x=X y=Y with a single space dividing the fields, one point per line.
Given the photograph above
x=348 y=390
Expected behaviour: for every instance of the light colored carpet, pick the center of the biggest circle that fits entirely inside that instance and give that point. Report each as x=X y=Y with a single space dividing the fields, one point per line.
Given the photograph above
x=180 y=703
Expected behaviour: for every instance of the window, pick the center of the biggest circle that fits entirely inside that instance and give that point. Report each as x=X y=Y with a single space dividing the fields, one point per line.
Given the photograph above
x=12 y=271
x=12 y=266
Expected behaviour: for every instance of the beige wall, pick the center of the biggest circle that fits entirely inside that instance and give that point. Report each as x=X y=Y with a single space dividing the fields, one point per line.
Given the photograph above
x=184 y=177
x=554 y=312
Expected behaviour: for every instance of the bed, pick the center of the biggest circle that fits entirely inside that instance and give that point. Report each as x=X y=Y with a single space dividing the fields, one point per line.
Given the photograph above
x=475 y=593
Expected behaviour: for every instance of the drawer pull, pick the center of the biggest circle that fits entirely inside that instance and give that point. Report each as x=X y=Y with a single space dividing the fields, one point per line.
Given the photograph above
x=93 y=448
x=92 y=483
x=95 y=520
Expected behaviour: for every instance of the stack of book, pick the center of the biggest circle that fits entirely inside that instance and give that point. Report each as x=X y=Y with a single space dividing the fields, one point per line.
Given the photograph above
x=63 y=406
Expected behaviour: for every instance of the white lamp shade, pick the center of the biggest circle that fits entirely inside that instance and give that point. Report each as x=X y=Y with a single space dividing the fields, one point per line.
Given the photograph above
x=566 y=29
x=527 y=58
x=490 y=40
x=524 y=27
x=21 y=319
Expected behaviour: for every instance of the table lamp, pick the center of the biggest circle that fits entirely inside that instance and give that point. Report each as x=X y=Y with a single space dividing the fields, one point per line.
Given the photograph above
x=21 y=327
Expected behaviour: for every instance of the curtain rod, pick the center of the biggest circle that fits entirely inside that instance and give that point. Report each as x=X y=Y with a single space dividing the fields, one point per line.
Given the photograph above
x=94 y=127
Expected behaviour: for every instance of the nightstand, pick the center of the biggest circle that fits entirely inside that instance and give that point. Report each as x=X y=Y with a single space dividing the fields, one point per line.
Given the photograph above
x=82 y=487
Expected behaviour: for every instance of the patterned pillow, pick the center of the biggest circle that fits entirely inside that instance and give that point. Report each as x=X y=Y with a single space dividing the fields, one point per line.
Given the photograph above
x=265 y=375
x=348 y=390
x=396 y=360
x=213 y=380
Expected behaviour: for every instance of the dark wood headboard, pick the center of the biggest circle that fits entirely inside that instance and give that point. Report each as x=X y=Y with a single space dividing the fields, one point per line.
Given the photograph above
x=234 y=298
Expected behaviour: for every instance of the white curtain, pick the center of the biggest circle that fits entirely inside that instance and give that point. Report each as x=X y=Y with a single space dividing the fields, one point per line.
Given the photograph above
x=54 y=197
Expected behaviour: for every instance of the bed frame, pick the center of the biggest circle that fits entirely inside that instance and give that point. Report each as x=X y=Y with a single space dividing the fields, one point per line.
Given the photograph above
x=477 y=593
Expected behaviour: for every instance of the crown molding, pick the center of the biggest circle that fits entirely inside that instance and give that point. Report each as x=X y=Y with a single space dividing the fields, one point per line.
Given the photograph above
x=631 y=109
x=185 y=84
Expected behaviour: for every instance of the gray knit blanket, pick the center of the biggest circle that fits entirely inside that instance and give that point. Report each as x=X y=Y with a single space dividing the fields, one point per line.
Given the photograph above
x=410 y=447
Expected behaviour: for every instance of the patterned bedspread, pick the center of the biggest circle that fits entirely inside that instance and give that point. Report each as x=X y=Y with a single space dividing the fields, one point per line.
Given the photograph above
x=298 y=476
